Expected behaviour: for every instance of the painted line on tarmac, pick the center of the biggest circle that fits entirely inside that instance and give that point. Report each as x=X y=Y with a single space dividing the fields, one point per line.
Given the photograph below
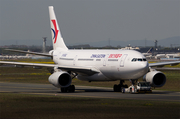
x=25 y=83
x=25 y=87
x=164 y=95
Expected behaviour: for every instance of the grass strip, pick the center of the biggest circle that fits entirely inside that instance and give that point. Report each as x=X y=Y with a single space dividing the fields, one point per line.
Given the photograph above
x=24 y=106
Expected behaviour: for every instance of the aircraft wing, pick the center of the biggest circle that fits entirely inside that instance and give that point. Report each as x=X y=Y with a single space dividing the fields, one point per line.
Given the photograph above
x=28 y=64
x=75 y=69
x=27 y=52
x=161 y=64
x=80 y=70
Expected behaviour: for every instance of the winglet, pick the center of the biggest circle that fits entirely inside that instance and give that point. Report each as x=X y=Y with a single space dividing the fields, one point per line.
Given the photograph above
x=58 y=42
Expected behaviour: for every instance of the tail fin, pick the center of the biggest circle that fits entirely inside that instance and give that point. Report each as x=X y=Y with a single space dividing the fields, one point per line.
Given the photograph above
x=150 y=50
x=58 y=42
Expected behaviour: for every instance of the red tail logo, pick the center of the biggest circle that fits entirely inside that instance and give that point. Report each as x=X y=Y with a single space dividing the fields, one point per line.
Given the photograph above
x=55 y=31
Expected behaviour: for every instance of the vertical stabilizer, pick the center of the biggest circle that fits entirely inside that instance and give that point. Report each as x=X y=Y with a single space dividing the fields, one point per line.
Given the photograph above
x=150 y=50
x=58 y=42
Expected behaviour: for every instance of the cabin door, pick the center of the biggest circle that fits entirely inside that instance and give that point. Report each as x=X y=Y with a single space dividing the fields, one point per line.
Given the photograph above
x=123 y=58
x=74 y=61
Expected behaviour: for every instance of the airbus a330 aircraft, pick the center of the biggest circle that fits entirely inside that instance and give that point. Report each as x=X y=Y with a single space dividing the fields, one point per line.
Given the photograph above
x=94 y=65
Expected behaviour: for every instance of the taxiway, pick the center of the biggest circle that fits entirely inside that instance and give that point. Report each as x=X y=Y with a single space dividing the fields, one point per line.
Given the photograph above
x=85 y=91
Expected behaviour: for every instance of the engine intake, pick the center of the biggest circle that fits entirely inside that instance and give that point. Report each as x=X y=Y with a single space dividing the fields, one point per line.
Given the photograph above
x=156 y=78
x=60 y=79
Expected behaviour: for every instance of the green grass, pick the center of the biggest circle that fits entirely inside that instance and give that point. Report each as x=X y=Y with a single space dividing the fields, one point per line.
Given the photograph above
x=172 y=81
x=24 y=75
x=24 y=106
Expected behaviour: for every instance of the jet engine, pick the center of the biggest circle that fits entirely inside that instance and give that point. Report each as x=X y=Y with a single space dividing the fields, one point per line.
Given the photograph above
x=60 y=79
x=156 y=78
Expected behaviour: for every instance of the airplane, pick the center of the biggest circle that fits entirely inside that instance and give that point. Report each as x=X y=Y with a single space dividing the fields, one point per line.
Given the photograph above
x=177 y=55
x=94 y=65
x=148 y=53
x=159 y=56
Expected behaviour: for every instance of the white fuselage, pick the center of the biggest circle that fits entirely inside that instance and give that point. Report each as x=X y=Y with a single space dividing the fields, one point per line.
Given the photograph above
x=112 y=64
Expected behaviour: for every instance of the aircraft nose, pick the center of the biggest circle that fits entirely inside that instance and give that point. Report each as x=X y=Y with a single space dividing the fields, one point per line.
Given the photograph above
x=137 y=70
x=144 y=66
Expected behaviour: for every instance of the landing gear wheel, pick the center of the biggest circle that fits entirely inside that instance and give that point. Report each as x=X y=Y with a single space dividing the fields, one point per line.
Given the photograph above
x=71 y=88
x=117 y=88
x=63 y=90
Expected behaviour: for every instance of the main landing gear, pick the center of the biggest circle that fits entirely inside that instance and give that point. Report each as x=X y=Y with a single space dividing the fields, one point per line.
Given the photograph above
x=71 y=88
x=117 y=88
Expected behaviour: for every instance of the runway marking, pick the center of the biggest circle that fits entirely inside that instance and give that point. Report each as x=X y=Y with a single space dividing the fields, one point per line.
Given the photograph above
x=23 y=83
x=163 y=94
x=26 y=87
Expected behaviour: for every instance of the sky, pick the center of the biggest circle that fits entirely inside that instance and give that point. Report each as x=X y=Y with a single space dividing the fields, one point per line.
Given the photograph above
x=25 y=22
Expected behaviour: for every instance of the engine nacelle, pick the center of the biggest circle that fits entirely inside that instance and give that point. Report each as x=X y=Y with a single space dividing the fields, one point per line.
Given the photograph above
x=156 y=78
x=60 y=79
x=51 y=52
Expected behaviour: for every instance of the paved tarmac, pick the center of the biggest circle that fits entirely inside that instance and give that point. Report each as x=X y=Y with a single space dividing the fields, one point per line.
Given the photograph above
x=85 y=91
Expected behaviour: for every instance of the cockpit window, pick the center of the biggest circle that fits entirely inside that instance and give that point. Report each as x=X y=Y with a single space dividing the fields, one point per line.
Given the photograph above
x=144 y=59
x=138 y=59
x=134 y=59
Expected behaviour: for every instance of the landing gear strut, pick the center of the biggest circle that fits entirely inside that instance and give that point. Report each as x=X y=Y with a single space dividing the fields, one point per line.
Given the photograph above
x=117 y=88
x=71 y=88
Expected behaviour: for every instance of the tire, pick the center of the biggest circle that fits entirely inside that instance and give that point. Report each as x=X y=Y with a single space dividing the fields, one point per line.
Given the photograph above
x=71 y=88
x=115 y=88
x=63 y=90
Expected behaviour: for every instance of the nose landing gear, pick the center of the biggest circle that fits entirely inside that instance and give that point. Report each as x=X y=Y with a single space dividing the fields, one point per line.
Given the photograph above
x=117 y=88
